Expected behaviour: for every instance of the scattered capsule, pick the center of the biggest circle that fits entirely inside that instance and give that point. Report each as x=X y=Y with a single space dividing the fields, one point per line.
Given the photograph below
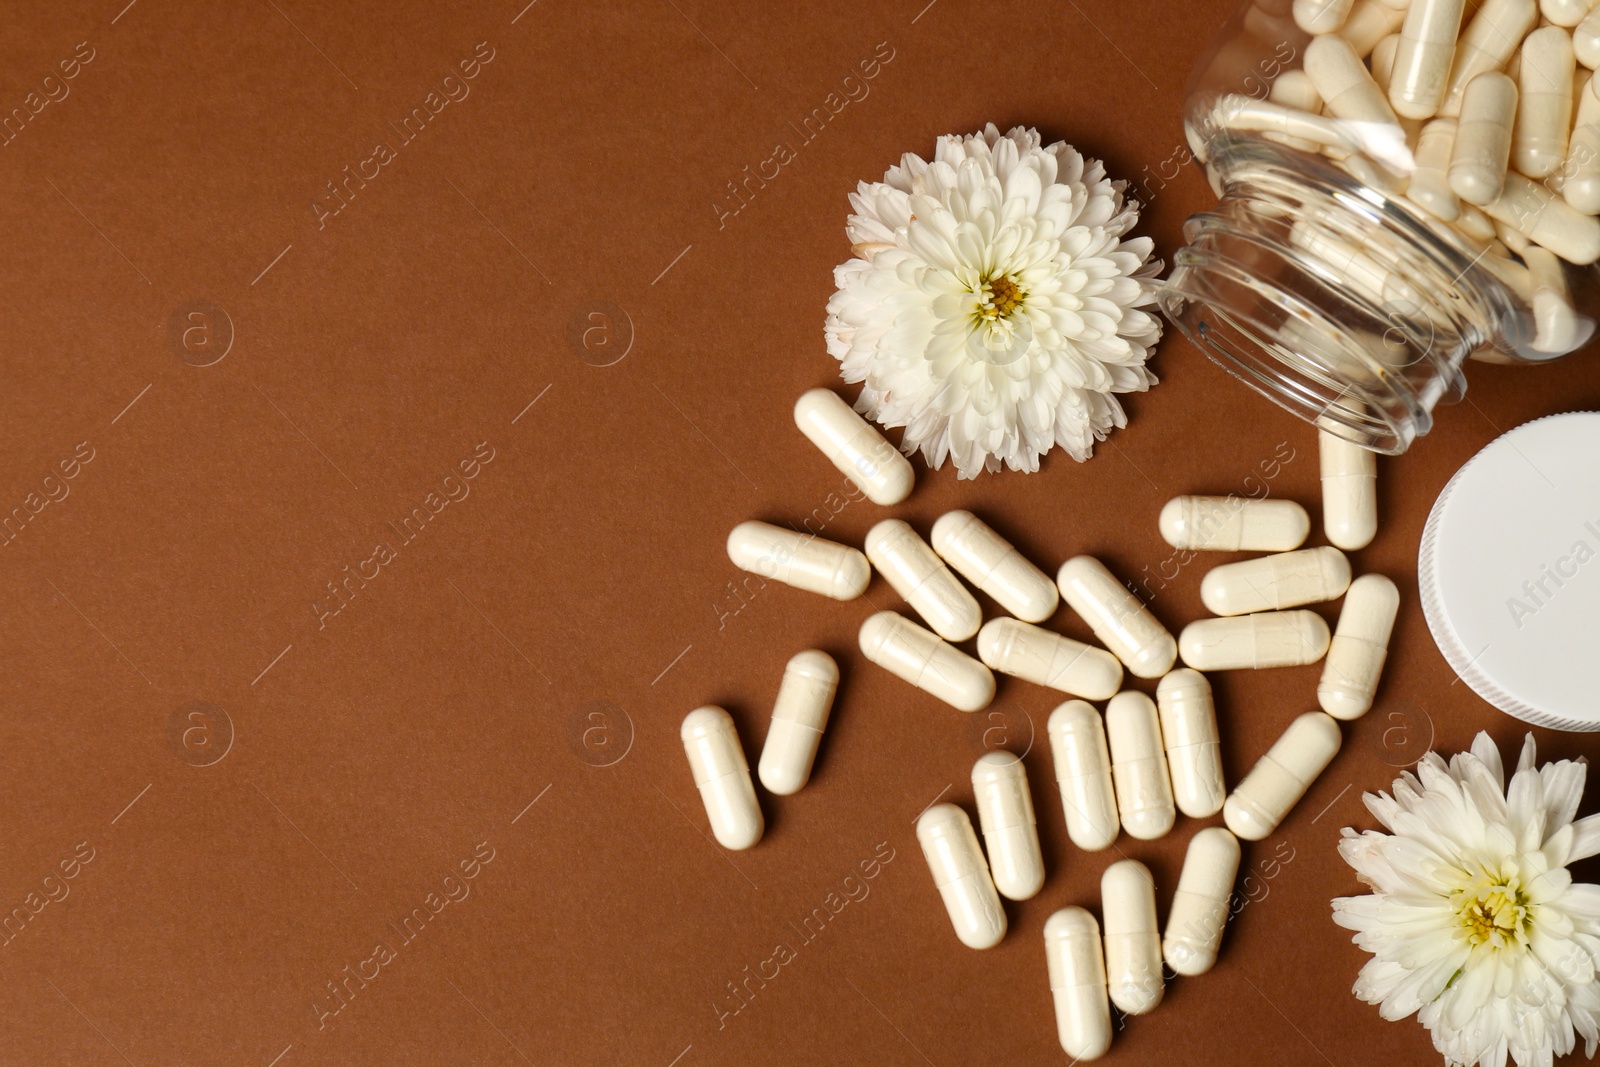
x=1272 y=583
x=1370 y=22
x=1482 y=149
x=1489 y=40
x=1265 y=639
x=854 y=446
x=1201 y=903
x=1349 y=491
x=1293 y=89
x=1078 y=983
x=1083 y=774
x=1360 y=645
x=1281 y=777
x=805 y=698
x=951 y=849
x=801 y=560
x=1133 y=940
x=1544 y=103
x=1535 y=211
x=1010 y=832
x=907 y=651
x=1036 y=655
x=1139 y=766
x=712 y=745
x=1344 y=83
x=1581 y=189
x=1194 y=751
x=911 y=568
x=1422 y=61
x=1430 y=188
x=1566 y=13
x=1586 y=40
x=1118 y=618
x=1233 y=524
x=990 y=563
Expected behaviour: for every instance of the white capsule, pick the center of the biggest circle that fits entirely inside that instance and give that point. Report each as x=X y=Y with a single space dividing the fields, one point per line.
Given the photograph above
x=1266 y=639
x=1544 y=104
x=1078 y=983
x=1035 y=655
x=1422 y=60
x=1010 y=832
x=1581 y=189
x=1293 y=89
x=1189 y=734
x=909 y=652
x=1534 y=211
x=854 y=446
x=1349 y=491
x=1429 y=187
x=1489 y=40
x=1345 y=84
x=712 y=745
x=1482 y=148
x=1133 y=940
x=1083 y=774
x=912 y=570
x=1381 y=62
x=1139 y=766
x=990 y=563
x=1232 y=524
x=1475 y=224
x=1370 y=22
x=1360 y=645
x=1118 y=618
x=951 y=849
x=1272 y=583
x=1558 y=329
x=1321 y=16
x=1281 y=777
x=1566 y=13
x=1586 y=40
x=1235 y=111
x=801 y=560
x=805 y=698
x=1201 y=903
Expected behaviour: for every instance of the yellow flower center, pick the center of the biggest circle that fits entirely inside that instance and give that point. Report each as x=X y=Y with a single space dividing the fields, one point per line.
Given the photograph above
x=1001 y=296
x=1493 y=910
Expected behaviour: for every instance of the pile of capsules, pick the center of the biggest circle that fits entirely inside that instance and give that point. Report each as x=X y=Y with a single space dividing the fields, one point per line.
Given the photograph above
x=1132 y=768
x=1499 y=114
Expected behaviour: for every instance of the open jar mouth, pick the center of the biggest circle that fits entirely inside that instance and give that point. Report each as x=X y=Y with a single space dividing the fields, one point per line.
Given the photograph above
x=1330 y=299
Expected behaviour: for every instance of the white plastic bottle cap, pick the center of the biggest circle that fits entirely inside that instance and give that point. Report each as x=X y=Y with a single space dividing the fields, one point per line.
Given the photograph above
x=1509 y=571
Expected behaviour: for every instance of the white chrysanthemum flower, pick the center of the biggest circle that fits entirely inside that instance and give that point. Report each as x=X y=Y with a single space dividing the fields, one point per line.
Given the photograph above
x=1474 y=922
x=994 y=304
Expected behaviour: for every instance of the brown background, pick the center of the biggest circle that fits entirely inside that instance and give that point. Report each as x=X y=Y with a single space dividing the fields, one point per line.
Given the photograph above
x=374 y=752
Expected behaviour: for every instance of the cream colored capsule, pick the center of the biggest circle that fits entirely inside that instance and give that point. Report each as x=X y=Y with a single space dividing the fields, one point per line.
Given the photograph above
x=1544 y=106
x=911 y=653
x=1010 y=831
x=1321 y=16
x=1078 y=983
x=1430 y=188
x=1346 y=87
x=990 y=563
x=723 y=776
x=801 y=560
x=1233 y=524
x=1272 y=583
x=1482 y=148
x=1586 y=40
x=1381 y=62
x=854 y=446
x=1201 y=903
x=1475 y=224
x=1581 y=189
x=1281 y=777
x=1349 y=491
x=1133 y=940
x=962 y=878
x=1422 y=61
x=1558 y=327
x=1083 y=774
x=1189 y=734
x=1235 y=111
x=1139 y=766
x=1544 y=218
x=1360 y=645
x=805 y=697
x=1489 y=40
x=1566 y=13
x=1118 y=618
x=1292 y=89
x=1267 y=639
x=912 y=570
x=1370 y=22
x=1035 y=655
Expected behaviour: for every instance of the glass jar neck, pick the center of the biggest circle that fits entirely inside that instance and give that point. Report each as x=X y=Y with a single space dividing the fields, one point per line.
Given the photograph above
x=1336 y=302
